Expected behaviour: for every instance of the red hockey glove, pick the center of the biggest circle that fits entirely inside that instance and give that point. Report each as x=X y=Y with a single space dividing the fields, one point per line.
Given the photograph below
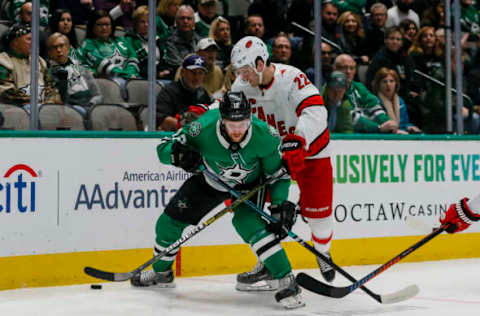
x=293 y=154
x=458 y=217
x=192 y=113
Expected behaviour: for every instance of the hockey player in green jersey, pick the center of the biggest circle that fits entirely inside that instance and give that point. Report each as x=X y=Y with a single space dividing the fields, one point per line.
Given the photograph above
x=241 y=150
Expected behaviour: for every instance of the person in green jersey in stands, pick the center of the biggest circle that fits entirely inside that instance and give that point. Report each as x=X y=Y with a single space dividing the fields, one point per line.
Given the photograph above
x=241 y=149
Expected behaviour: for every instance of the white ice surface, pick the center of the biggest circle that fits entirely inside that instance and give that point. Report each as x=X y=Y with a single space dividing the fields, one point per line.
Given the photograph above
x=446 y=288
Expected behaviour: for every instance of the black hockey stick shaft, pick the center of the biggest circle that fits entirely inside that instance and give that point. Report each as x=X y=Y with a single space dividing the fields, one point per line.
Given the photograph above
x=119 y=276
x=338 y=292
x=294 y=236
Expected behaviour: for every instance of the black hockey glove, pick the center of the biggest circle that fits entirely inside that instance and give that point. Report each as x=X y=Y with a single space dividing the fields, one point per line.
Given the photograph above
x=286 y=215
x=185 y=157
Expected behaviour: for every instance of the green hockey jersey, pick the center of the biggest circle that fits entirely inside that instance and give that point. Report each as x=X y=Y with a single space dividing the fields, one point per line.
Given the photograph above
x=258 y=154
x=11 y=10
x=115 y=57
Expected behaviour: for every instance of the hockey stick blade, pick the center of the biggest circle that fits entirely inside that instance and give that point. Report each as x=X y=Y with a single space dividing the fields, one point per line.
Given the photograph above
x=109 y=276
x=318 y=287
x=124 y=276
x=313 y=285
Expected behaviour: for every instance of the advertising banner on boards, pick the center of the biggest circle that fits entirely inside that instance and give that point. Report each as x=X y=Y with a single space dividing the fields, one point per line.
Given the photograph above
x=64 y=195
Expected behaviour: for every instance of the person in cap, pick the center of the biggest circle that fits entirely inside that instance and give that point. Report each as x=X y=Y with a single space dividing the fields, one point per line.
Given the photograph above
x=15 y=70
x=177 y=96
x=339 y=117
x=206 y=13
x=207 y=48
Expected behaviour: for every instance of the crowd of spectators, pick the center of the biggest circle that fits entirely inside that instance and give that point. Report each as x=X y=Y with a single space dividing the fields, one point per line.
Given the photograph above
x=371 y=55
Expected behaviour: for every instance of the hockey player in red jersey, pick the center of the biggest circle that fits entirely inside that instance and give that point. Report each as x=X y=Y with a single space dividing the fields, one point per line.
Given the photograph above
x=461 y=214
x=283 y=96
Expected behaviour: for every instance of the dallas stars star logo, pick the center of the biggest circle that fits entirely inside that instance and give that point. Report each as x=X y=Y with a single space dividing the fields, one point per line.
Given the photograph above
x=235 y=173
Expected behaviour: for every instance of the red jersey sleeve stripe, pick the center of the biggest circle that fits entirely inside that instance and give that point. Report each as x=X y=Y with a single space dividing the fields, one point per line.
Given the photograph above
x=310 y=101
x=319 y=143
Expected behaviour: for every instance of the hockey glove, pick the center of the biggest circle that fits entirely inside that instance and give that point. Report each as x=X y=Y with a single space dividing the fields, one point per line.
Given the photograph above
x=286 y=215
x=459 y=217
x=293 y=154
x=185 y=157
x=191 y=114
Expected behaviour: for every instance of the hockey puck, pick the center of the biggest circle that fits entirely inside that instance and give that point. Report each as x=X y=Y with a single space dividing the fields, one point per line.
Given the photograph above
x=96 y=286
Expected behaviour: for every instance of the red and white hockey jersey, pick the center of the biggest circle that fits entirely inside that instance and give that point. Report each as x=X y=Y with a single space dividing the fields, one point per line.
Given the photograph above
x=291 y=104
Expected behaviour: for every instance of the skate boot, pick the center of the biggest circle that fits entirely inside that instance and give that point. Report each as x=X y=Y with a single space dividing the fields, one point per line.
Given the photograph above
x=327 y=271
x=160 y=279
x=259 y=279
x=289 y=293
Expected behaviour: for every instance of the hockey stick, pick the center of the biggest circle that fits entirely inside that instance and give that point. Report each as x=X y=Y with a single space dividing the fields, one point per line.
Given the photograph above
x=398 y=296
x=119 y=276
x=338 y=292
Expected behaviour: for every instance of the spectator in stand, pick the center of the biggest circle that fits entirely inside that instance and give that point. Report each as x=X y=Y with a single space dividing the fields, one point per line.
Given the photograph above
x=435 y=15
x=409 y=31
x=166 y=12
x=428 y=110
x=352 y=36
x=138 y=39
x=327 y=64
x=470 y=19
x=176 y=97
x=370 y=3
x=281 y=49
x=76 y=85
x=25 y=17
x=181 y=41
x=106 y=55
x=401 y=11
x=15 y=70
x=220 y=32
x=206 y=13
x=386 y=85
x=330 y=29
x=430 y=106
x=273 y=13
x=80 y=10
x=62 y=22
x=119 y=10
x=391 y=56
x=207 y=48
x=375 y=29
x=368 y=115
x=21 y=11
x=338 y=107
x=254 y=26
x=355 y=6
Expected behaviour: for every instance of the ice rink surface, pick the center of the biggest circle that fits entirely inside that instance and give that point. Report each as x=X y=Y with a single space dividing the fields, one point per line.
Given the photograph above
x=446 y=288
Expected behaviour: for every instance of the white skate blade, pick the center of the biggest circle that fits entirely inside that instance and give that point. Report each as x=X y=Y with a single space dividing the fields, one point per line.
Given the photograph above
x=260 y=286
x=292 y=302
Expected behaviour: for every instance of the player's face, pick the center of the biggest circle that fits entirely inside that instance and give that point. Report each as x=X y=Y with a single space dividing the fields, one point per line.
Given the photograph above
x=247 y=73
x=236 y=129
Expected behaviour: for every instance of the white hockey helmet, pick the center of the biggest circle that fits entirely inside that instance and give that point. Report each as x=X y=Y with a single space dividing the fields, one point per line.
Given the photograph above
x=247 y=51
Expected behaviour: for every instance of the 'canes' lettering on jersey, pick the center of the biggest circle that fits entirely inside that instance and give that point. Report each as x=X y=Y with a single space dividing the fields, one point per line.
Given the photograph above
x=291 y=103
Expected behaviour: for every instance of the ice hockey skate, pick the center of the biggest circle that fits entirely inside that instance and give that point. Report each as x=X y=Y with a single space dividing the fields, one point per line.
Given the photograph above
x=258 y=279
x=148 y=278
x=327 y=271
x=289 y=293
